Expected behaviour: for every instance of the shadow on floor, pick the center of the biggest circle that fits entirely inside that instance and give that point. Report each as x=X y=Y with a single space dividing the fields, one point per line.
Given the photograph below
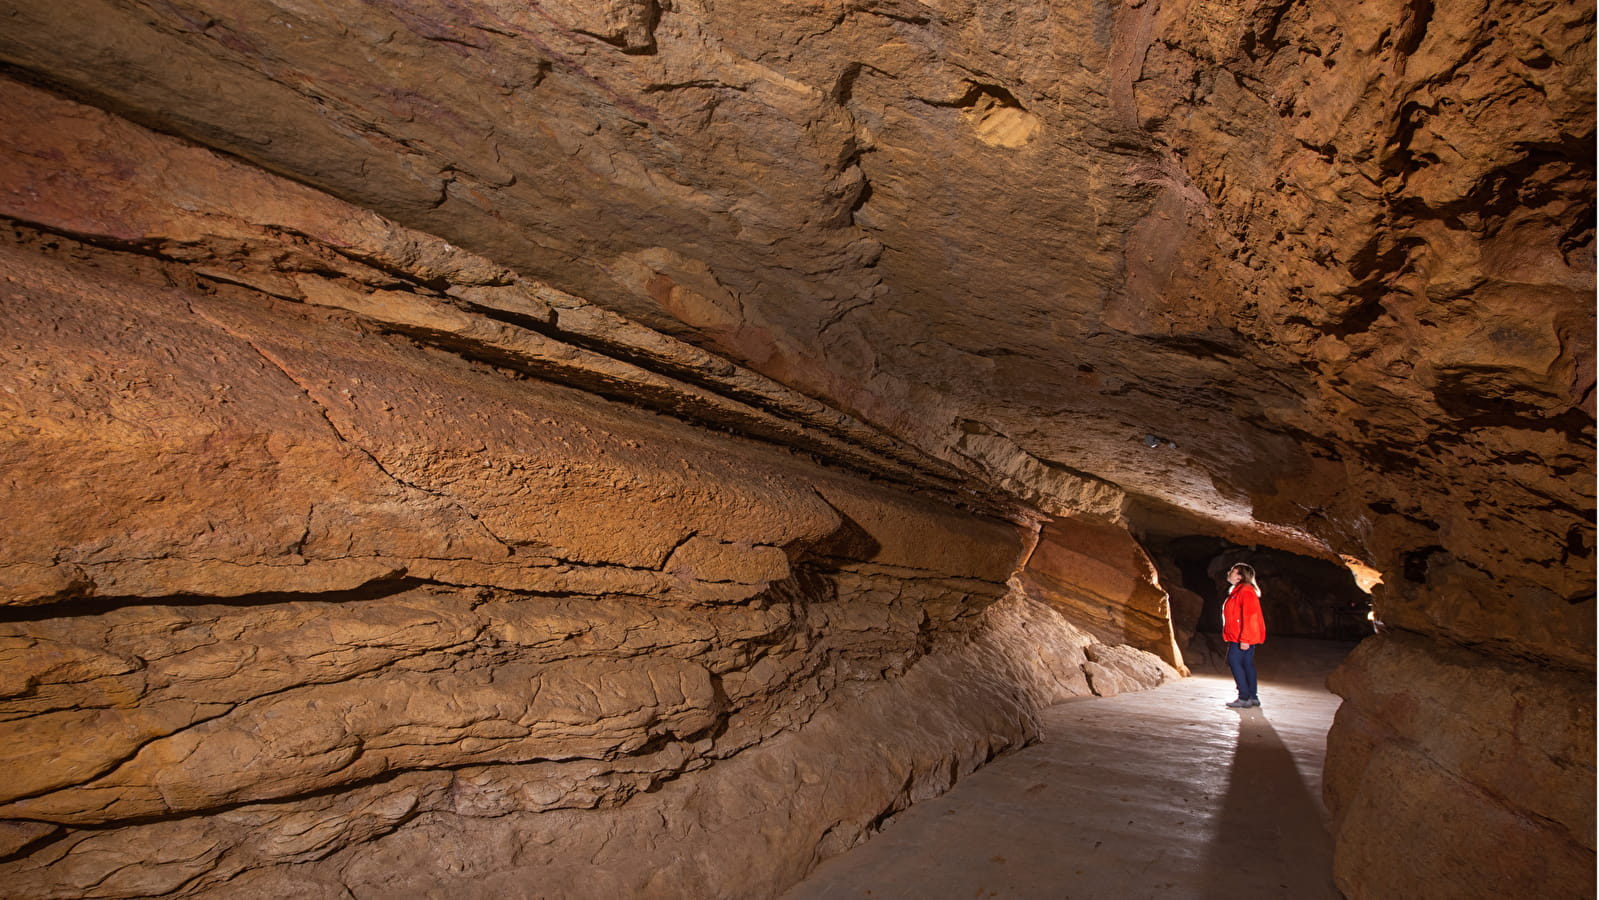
x=1269 y=837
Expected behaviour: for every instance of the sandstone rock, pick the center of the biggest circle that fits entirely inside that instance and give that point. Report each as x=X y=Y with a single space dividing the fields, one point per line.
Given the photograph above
x=539 y=294
x=1186 y=609
x=1308 y=260
x=564 y=605
x=1113 y=670
x=833 y=779
x=1099 y=576
x=1484 y=766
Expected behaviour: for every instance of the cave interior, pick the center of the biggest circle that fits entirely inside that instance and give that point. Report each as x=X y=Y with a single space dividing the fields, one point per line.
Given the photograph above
x=638 y=447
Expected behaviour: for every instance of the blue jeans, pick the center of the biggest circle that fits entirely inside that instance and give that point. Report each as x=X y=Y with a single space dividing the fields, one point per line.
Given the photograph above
x=1242 y=662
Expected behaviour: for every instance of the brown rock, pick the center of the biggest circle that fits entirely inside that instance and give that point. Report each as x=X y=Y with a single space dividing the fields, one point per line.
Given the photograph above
x=1120 y=669
x=1097 y=575
x=705 y=367
x=565 y=605
x=1484 y=765
x=1186 y=609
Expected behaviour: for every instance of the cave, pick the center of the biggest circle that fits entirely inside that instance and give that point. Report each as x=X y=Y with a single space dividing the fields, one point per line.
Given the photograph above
x=1301 y=596
x=639 y=448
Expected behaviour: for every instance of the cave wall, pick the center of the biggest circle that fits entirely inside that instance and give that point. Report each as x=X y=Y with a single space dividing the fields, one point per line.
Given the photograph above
x=1337 y=257
x=1441 y=733
x=1100 y=578
x=355 y=565
x=1413 y=221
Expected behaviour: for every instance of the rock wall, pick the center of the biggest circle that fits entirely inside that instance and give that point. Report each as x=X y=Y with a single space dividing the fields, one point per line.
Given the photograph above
x=1395 y=200
x=337 y=574
x=1315 y=275
x=1435 y=734
x=1099 y=577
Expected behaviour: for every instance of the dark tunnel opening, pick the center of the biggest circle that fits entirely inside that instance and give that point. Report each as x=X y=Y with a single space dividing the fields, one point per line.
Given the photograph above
x=1301 y=596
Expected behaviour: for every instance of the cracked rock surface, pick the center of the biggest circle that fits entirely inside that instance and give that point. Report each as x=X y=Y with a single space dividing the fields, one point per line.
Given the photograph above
x=359 y=358
x=351 y=554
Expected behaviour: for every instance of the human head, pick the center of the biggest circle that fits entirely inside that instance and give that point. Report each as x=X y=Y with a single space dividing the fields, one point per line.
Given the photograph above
x=1246 y=574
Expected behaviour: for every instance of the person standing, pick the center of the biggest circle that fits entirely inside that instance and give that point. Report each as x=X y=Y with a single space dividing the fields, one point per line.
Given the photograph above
x=1243 y=628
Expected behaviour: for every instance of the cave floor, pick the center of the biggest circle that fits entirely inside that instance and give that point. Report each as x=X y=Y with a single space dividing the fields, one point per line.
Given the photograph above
x=1164 y=793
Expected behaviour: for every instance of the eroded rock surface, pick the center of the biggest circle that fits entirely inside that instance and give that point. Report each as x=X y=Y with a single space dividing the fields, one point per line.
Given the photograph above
x=324 y=593
x=1311 y=276
x=1022 y=237
x=1429 y=734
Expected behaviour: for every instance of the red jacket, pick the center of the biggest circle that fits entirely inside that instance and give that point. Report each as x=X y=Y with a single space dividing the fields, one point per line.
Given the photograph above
x=1241 y=620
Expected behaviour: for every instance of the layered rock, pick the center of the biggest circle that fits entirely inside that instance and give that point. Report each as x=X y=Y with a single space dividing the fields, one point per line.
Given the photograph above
x=592 y=747
x=1310 y=318
x=1313 y=276
x=342 y=575
x=1098 y=576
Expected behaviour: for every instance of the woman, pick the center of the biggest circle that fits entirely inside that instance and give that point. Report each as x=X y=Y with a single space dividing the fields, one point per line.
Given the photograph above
x=1242 y=627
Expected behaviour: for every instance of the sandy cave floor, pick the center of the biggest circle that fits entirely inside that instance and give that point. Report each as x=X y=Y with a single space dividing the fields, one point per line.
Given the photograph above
x=1164 y=793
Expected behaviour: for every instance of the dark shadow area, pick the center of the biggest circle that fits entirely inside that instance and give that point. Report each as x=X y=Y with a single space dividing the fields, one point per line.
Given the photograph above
x=70 y=605
x=1270 y=836
x=1301 y=596
x=849 y=541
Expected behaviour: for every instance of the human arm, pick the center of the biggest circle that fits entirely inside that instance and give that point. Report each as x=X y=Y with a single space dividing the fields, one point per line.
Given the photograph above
x=1252 y=629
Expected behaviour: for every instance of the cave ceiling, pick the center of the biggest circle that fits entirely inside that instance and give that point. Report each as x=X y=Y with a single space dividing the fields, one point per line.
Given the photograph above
x=1336 y=258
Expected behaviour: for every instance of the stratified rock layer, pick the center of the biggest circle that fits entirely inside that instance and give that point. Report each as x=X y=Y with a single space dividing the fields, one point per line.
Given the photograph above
x=324 y=594
x=1098 y=576
x=1310 y=275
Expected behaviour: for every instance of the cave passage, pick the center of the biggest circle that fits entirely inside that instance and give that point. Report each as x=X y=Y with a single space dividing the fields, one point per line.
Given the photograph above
x=1301 y=596
x=1157 y=793
x=640 y=448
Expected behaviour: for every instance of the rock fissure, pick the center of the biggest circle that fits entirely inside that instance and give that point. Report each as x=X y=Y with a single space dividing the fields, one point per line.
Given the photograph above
x=322 y=410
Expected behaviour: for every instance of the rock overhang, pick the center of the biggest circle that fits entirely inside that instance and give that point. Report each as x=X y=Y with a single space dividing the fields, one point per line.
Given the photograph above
x=1252 y=232
x=1313 y=277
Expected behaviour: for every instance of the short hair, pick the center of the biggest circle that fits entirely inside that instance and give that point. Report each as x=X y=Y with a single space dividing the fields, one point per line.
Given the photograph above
x=1246 y=570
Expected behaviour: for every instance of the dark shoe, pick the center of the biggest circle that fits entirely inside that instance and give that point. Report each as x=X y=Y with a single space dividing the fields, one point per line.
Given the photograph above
x=1241 y=704
x=1255 y=702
